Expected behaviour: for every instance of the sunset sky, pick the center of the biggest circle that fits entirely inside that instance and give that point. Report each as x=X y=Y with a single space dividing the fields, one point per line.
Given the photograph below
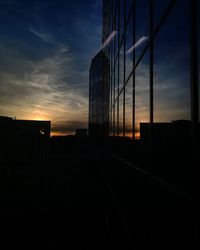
x=46 y=48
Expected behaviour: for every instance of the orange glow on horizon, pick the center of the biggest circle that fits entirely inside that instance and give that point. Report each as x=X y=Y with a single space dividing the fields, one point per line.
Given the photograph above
x=40 y=119
x=130 y=135
x=39 y=115
x=59 y=133
x=137 y=135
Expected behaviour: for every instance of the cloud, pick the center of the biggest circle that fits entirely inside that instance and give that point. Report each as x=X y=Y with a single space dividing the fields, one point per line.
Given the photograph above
x=137 y=44
x=44 y=36
x=47 y=78
x=109 y=39
x=48 y=90
x=48 y=38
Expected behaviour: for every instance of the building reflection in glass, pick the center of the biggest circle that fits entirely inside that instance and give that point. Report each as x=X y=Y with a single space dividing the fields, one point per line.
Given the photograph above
x=154 y=88
x=99 y=96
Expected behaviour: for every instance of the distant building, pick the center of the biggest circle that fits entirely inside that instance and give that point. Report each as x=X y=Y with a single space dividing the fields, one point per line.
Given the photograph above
x=165 y=134
x=81 y=132
x=99 y=96
x=23 y=139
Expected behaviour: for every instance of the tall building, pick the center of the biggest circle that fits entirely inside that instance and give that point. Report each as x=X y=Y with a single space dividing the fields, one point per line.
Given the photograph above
x=153 y=48
x=99 y=96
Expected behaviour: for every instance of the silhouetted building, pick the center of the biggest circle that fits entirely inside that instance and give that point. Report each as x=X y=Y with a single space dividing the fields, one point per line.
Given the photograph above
x=24 y=139
x=166 y=134
x=99 y=96
x=81 y=132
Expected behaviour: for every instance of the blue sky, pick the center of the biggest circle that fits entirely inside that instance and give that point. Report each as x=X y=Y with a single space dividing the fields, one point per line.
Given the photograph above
x=46 y=48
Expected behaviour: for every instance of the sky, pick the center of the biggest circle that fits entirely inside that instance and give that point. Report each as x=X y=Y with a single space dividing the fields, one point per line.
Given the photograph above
x=46 y=48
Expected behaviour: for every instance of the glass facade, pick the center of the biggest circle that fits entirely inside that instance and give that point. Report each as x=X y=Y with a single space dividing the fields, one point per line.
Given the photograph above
x=99 y=96
x=154 y=81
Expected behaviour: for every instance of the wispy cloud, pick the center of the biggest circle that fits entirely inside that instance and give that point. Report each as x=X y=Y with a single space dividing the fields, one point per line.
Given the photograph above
x=137 y=44
x=44 y=36
x=47 y=77
x=109 y=39
x=48 y=90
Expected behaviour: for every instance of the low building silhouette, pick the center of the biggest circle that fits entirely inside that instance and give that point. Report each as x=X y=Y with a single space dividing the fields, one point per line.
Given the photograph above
x=23 y=140
x=166 y=134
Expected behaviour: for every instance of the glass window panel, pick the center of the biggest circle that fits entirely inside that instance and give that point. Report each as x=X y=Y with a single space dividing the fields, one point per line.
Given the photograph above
x=121 y=115
x=121 y=18
x=116 y=80
x=129 y=45
x=117 y=25
x=172 y=107
x=110 y=113
x=172 y=64
x=121 y=67
x=114 y=120
x=159 y=9
x=141 y=94
x=128 y=7
x=142 y=26
x=128 y=108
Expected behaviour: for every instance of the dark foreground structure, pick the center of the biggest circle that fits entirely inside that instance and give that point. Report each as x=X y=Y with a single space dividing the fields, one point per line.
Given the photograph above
x=87 y=197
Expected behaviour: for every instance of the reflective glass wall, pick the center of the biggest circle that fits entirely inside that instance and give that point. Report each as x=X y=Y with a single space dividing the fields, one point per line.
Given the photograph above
x=154 y=79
